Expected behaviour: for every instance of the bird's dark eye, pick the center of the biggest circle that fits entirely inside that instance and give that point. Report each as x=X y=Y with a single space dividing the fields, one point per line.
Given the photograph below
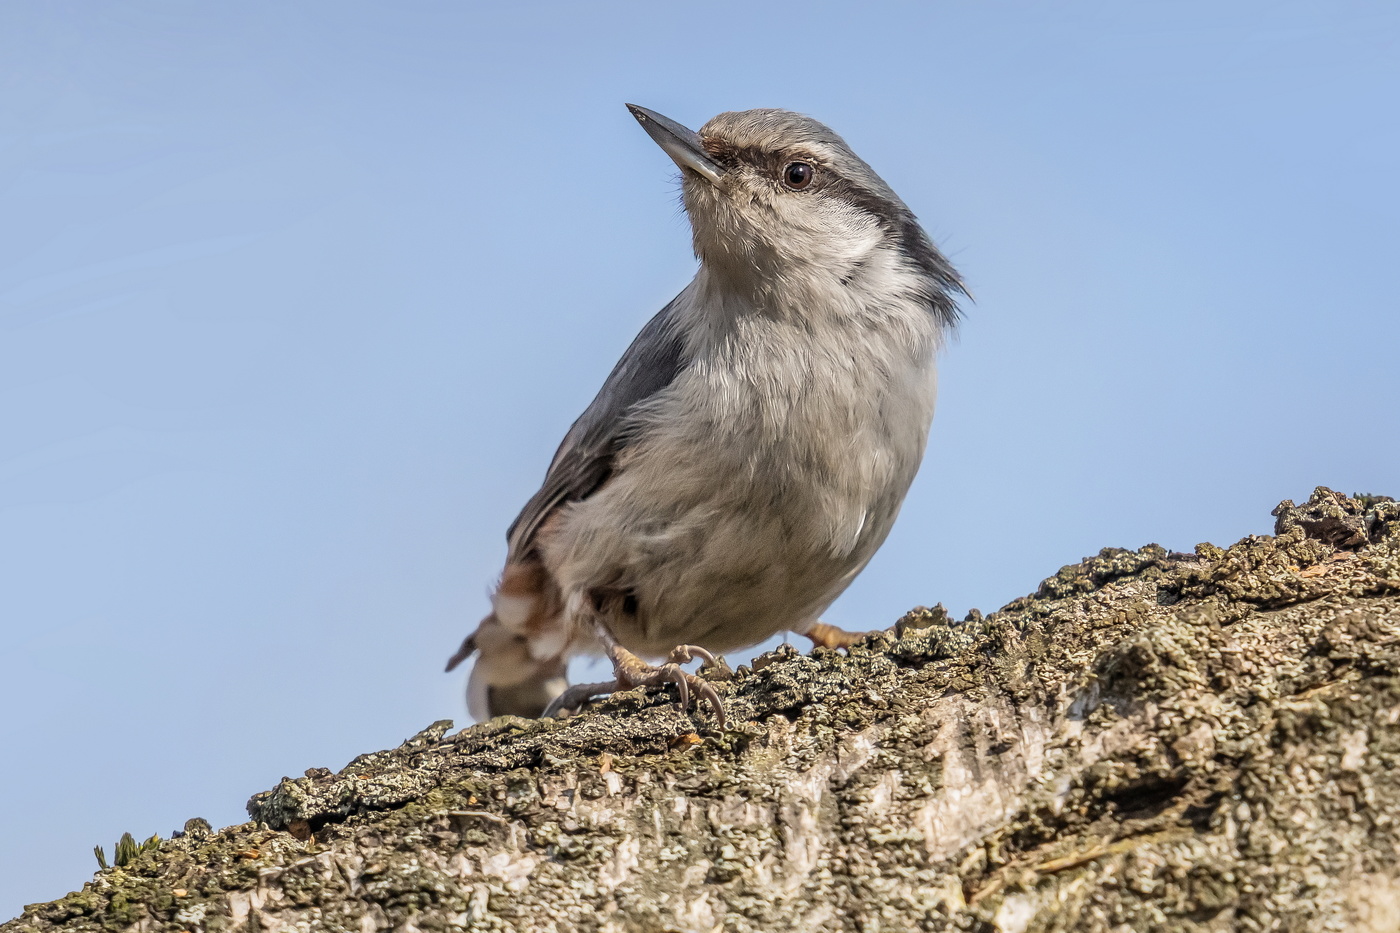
x=797 y=175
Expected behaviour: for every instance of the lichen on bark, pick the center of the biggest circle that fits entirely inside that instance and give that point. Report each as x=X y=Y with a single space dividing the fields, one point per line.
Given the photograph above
x=1150 y=741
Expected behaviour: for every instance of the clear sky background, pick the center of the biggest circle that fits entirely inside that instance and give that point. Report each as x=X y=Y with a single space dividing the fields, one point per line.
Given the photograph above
x=296 y=300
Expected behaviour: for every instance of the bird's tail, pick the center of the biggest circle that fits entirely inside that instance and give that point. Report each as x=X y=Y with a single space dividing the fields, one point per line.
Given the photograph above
x=509 y=676
x=506 y=680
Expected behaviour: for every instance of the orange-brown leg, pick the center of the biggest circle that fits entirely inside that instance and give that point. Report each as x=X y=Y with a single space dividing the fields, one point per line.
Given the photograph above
x=829 y=636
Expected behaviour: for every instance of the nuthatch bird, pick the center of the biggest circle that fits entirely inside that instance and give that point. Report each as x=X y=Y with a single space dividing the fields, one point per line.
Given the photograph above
x=750 y=451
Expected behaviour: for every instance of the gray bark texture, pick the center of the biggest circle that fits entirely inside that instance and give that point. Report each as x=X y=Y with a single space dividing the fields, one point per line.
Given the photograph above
x=1151 y=741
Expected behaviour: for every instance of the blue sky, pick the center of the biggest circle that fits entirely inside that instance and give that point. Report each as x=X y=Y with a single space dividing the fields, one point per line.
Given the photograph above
x=297 y=299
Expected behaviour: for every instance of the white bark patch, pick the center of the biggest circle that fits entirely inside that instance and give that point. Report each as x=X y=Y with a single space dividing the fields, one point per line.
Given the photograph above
x=1015 y=913
x=1354 y=750
x=512 y=867
x=623 y=862
x=855 y=753
x=803 y=840
x=242 y=903
x=697 y=914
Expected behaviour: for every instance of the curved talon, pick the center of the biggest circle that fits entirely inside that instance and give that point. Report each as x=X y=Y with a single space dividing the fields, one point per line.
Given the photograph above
x=684 y=680
x=680 y=678
x=711 y=695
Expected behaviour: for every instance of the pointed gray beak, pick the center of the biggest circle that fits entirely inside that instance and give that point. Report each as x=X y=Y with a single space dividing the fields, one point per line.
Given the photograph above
x=681 y=144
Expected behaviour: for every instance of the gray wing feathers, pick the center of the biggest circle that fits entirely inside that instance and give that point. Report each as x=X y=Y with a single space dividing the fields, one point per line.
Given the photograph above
x=585 y=458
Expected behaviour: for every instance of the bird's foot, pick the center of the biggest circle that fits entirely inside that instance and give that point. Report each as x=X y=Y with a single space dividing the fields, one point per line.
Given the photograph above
x=829 y=636
x=632 y=671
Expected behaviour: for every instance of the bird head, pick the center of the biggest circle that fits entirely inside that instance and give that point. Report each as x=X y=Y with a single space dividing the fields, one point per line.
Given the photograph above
x=779 y=203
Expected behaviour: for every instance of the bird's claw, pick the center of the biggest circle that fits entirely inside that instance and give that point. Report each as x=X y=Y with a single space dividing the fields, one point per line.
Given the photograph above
x=632 y=671
x=685 y=682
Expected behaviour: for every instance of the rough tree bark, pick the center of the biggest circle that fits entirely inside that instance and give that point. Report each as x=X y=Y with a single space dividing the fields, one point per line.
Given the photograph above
x=1151 y=741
